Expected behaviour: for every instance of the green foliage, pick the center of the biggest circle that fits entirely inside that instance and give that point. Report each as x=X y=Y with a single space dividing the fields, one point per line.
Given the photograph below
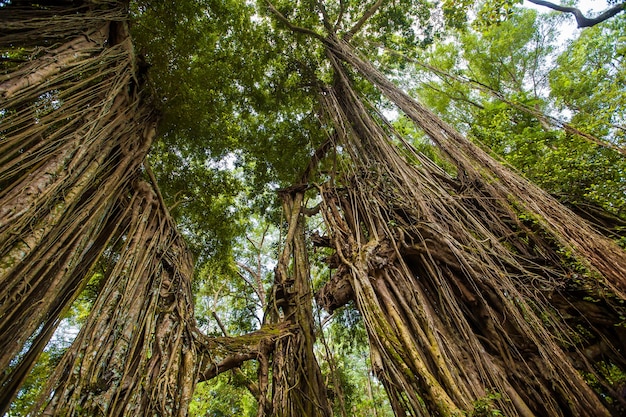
x=485 y=14
x=363 y=395
x=455 y=12
x=237 y=96
x=347 y=330
x=405 y=24
x=231 y=290
x=223 y=396
x=589 y=80
x=614 y=377
x=35 y=381
x=237 y=114
x=491 y=13
x=511 y=57
x=485 y=406
x=512 y=61
x=494 y=12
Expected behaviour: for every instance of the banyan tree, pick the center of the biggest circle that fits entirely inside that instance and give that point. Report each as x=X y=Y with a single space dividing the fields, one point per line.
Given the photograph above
x=472 y=283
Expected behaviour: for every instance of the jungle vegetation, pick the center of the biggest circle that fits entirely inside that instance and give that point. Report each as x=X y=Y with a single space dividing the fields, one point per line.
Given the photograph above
x=312 y=208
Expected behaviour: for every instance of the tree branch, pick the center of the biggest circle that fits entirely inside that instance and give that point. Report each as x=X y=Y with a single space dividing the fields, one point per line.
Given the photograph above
x=369 y=13
x=252 y=387
x=290 y=25
x=342 y=10
x=219 y=323
x=319 y=154
x=219 y=354
x=325 y=18
x=257 y=286
x=582 y=20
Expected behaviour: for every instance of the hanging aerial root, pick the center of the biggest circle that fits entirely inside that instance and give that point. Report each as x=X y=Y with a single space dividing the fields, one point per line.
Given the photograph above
x=136 y=352
x=297 y=384
x=75 y=129
x=599 y=253
x=455 y=291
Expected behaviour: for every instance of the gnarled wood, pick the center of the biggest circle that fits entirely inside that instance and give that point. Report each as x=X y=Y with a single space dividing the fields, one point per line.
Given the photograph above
x=455 y=291
x=69 y=152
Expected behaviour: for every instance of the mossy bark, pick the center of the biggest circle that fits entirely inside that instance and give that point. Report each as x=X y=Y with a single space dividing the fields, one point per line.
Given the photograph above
x=459 y=296
x=75 y=132
x=297 y=384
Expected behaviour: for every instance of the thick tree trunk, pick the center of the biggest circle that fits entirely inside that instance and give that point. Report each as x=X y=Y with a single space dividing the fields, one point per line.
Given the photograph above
x=298 y=388
x=459 y=297
x=69 y=150
x=136 y=353
x=474 y=165
x=75 y=131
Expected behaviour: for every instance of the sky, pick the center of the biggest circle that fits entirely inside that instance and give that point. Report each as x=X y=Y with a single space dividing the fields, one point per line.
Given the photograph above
x=583 y=5
x=569 y=30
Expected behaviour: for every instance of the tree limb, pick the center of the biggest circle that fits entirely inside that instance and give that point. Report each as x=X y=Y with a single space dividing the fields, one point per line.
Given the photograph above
x=581 y=19
x=255 y=286
x=369 y=13
x=290 y=25
x=325 y=18
x=219 y=354
x=252 y=387
x=342 y=10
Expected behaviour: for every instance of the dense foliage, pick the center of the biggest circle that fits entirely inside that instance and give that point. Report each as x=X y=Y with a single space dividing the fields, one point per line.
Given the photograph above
x=503 y=86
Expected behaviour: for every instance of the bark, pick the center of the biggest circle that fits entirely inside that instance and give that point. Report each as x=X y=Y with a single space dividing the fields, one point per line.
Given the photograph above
x=221 y=354
x=63 y=169
x=136 y=354
x=475 y=166
x=297 y=384
x=607 y=223
x=337 y=292
x=38 y=27
x=458 y=296
x=53 y=63
x=69 y=191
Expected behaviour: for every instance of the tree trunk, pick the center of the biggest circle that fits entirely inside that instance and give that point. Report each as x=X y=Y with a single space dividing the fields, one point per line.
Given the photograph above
x=298 y=388
x=75 y=131
x=135 y=355
x=461 y=299
x=69 y=151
